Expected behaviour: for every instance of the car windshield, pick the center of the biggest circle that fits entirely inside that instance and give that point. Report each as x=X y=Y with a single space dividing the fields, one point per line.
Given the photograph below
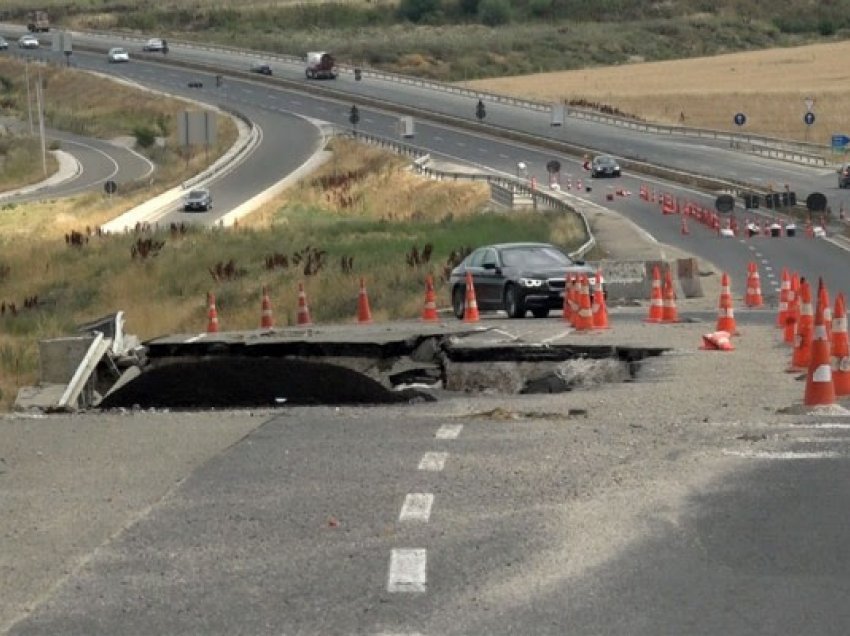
x=197 y=194
x=530 y=257
x=606 y=161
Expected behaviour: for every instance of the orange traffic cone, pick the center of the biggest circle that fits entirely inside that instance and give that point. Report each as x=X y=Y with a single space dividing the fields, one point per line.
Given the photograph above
x=784 y=288
x=212 y=314
x=656 y=301
x=364 y=314
x=600 y=310
x=266 y=318
x=669 y=313
x=303 y=313
x=470 y=310
x=823 y=301
x=584 y=317
x=717 y=341
x=819 y=387
x=567 y=308
x=753 y=297
x=793 y=316
x=802 y=355
x=840 y=349
x=726 y=314
x=429 y=311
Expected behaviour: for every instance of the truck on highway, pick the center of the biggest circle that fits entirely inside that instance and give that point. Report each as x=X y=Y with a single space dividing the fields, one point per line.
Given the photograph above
x=320 y=65
x=37 y=21
x=405 y=127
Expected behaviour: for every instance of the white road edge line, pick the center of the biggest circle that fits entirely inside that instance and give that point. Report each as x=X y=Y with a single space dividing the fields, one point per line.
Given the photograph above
x=782 y=455
x=408 y=570
x=416 y=507
x=434 y=461
x=449 y=431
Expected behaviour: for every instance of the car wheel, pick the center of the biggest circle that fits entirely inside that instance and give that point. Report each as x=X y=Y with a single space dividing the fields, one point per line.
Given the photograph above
x=540 y=312
x=513 y=302
x=459 y=301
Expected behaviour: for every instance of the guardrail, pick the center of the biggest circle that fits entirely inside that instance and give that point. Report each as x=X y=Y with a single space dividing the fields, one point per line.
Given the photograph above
x=785 y=149
x=543 y=199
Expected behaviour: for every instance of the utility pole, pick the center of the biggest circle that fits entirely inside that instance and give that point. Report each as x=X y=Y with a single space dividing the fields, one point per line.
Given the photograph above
x=40 y=103
x=29 y=97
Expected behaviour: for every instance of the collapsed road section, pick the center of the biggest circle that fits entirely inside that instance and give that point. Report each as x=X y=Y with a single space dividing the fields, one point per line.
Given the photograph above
x=402 y=362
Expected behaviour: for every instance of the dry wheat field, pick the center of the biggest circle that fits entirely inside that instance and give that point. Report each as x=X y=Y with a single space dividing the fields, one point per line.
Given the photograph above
x=770 y=87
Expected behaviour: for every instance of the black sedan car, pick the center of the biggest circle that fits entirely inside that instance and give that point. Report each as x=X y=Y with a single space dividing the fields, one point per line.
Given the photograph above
x=262 y=69
x=516 y=277
x=604 y=166
x=199 y=199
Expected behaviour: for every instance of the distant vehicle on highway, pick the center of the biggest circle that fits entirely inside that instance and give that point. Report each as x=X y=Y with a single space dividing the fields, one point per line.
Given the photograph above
x=199 y=199
x=4 y=45
x=117 y=55
x=155 y=45
x=262 y=68
x=28 y=42
x=516 y=277
x=320 y=65
x=604 y=166
x=844 y=176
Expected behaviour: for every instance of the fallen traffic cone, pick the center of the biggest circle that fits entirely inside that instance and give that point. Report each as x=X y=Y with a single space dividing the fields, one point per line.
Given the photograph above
x=470 y=310
x=364 y=314
x=266 y=318
x=669 y=313
x=726 y=313
x=600 y=310
x=819 y=387
x=429 y=311
x=840 y=349
x=584 y=316
x=784 y=288
x=753 y=297
x=656 y=301
x=212 y=314
x=802 y=355
x=303 y=313
x=717 y=341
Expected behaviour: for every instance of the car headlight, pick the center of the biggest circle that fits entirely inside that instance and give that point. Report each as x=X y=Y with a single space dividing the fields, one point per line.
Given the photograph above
x=530 y=282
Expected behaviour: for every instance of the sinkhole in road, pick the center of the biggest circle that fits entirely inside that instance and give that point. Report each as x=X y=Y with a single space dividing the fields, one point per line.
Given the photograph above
x=433 y=368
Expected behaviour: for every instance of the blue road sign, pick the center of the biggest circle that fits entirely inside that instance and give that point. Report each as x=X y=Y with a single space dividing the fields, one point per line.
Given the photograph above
x=809 y=118
x=740 y=119
x=839 y=141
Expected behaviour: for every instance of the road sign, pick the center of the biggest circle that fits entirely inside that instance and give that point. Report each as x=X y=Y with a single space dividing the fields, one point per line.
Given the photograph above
x=816 y=202
x=553 y=167
x=839 y=141
x=740 y=119
x=809 y=118
x=725 y=203
x=110 y=187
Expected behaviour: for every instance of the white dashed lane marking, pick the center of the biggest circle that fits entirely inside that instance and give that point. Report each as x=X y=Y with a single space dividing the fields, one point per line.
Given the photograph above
x=416 y=507
x=408 y=570
x=449 y=431
x=434 y=461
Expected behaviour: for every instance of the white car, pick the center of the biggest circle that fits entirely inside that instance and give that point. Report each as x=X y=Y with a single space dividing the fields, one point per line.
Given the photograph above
x=118 y=54
x=28 y=42
x=154 y=45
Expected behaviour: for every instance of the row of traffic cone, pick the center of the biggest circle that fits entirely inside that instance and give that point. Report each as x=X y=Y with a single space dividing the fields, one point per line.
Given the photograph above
x=662 y=301
x=582 y=311
x=266 y=313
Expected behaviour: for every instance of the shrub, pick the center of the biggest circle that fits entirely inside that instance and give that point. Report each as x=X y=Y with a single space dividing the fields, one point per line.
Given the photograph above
x=494 y=12
x=145 y=136
x=418 y=10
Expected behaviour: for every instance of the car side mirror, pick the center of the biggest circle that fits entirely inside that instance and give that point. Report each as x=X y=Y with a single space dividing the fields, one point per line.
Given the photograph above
x=489 y=265
x=579 y=262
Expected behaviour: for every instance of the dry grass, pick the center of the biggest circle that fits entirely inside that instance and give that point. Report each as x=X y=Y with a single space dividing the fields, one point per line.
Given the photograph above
x=384 y=189
x=768 y=86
